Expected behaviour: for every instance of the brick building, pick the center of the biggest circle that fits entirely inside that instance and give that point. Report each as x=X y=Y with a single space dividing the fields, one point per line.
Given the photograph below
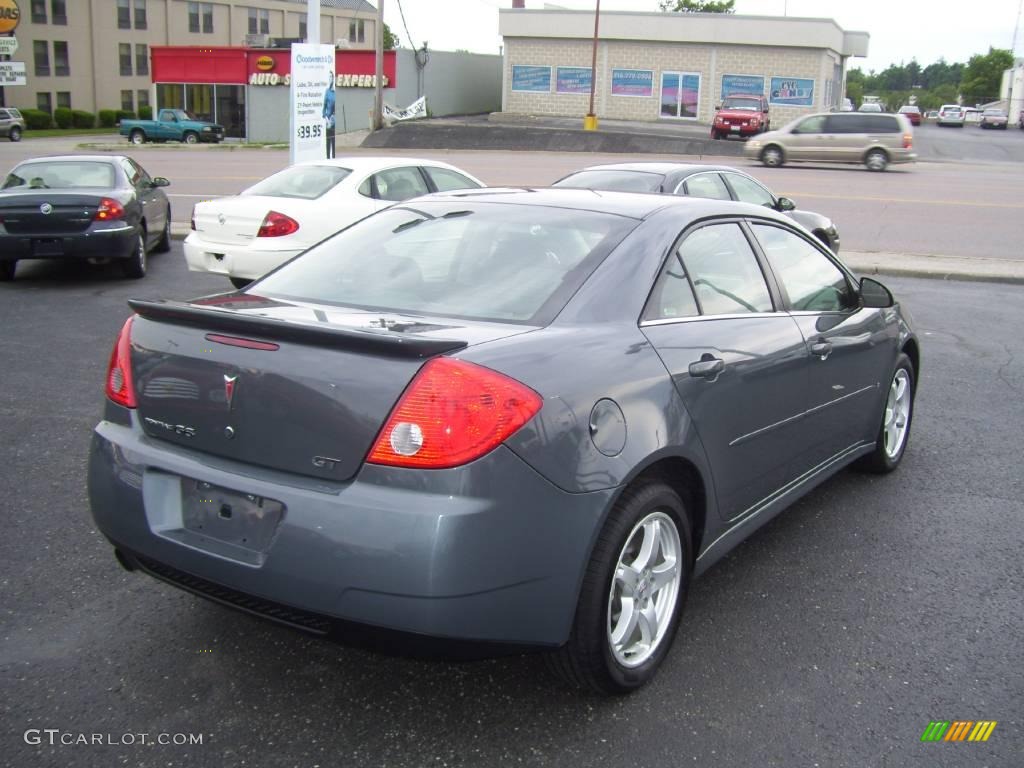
x=671 y=66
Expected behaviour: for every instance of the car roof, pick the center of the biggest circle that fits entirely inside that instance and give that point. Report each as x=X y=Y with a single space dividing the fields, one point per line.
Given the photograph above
x=658 y=167
x=73 y=158
x=636 y=205
x=364 y=163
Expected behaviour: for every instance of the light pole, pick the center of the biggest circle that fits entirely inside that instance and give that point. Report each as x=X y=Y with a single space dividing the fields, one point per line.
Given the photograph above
x=378 y=86
x=590 y=121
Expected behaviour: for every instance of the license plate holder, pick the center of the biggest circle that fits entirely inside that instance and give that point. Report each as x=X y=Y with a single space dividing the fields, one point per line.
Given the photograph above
x=734 y=128
x=49 y=246
x=234 y=518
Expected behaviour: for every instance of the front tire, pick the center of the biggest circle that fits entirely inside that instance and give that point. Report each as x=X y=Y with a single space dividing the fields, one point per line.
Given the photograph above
x=632 y=595
x=7 y=270
x=876 y=160
x=897 y=415
x=15 y=133
x=137 y=137
x=190 y=138
x=135 y=266
x=239 y=282
x=772 y=156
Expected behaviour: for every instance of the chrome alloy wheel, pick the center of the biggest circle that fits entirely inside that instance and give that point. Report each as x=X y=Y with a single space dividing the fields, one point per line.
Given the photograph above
x=644 y=590
x=897 y=414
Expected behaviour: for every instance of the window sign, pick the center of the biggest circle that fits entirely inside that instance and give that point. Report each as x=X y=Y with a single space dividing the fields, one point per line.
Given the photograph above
x=632 y=82
x=792 y=92
x=531 y=79
x=573 y=80
x=312 y=102
x=742 y=84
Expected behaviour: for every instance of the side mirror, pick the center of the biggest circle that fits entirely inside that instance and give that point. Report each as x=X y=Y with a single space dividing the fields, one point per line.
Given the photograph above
x=874 y=295
x=717 y=107
x=785 y=204
x=160 y=181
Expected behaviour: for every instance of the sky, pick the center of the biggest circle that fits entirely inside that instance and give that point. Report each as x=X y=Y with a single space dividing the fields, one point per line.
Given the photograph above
x=900 y=29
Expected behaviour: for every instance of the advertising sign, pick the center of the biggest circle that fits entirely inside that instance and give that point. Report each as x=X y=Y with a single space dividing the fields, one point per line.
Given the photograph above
x=745 y=84
x=312 y=102
x=10 y=16
x=8 y=46
x=792 y=92
x=12 y=73
x=573 y=79
x=632 y=82
x=415 y=110
x=535 y=79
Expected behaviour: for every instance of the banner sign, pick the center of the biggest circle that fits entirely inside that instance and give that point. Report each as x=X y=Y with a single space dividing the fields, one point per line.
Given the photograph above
x=632 y=82
x=8 y=46
x=12 y=73
x=535 y=79
x=417 y=109
x=742 y=84
x=312 y=102
x=792 y=92
x=573 y=79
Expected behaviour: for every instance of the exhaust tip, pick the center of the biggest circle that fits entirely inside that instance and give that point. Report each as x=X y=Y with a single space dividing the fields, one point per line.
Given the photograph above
x=127 y=564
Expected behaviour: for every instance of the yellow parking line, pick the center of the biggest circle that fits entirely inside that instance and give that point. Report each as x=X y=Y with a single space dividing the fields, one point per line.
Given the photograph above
x=968 y=203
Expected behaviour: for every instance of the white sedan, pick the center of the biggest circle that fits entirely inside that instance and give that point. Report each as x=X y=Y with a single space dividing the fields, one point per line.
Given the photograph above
x=245 y=236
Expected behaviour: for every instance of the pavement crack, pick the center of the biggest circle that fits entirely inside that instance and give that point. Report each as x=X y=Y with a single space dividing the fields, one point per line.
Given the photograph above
x=1001 y=372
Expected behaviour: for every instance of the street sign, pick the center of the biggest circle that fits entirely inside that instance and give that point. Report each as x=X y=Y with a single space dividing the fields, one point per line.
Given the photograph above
x=12 y=73
x=8 y=46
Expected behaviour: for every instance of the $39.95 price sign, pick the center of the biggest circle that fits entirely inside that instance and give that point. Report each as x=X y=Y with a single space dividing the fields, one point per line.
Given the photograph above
x=312 y=101
x=309 y=131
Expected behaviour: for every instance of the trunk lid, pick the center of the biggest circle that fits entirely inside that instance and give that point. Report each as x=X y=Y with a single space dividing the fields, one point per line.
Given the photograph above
x=236 y=220
x=47 y=213
x=310 y=399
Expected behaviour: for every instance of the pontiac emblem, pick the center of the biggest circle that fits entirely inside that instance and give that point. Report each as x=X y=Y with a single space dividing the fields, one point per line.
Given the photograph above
x=46 y=209
x=229 y=389
x=222 y=218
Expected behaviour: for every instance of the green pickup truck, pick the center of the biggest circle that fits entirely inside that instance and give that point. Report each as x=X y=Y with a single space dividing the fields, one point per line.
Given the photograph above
x=171 y=125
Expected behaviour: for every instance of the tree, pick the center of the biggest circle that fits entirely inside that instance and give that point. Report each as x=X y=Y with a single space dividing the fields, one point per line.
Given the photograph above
x=697 y=6
x=983 y=76
x=391 y=40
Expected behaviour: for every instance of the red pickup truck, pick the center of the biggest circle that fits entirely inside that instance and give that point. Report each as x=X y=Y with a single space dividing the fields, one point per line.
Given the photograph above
x=741 y=115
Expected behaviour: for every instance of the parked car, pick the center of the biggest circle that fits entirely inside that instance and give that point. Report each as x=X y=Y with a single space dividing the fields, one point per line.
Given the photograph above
x=172 y=125
x=712 y=181
x=96 y=207
x=972 y=115
x=245 y=236
x=1020 y=120
x=951 y=114
x=846 y=106
x=838 y=137
x=994 y=118
x=932 y=114
x=870 y=106
x=12 y=124
x=912 y=112
x=498 y=418
x=741 y=115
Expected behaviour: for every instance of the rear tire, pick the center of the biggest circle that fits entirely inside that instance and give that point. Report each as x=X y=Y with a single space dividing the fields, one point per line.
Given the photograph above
x=632 y=595
x=897 y=416
x=15 y=133
x=7 y=270
x=135 y=266
x=772 y=156
x=190 y=138
x=163 y=245
x=137 y=137
x=239 y=282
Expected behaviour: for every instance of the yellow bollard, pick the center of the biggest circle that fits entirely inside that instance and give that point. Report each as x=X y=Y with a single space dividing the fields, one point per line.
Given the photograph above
x=590 y=122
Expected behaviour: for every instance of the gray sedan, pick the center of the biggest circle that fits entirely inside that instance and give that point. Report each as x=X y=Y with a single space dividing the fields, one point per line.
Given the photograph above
x=718 y=182
x=498 y=419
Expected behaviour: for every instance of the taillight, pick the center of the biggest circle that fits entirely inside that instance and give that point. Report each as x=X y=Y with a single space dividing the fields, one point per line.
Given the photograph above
x=908 y=141
x=277 y=225
x=120 y=387
x=452 y=413
x=192 y=221
x=109 y=210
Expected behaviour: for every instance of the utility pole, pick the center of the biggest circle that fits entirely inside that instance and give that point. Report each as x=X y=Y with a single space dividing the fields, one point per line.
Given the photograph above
x=590 y=121
x=378 y=88
x=313 y=22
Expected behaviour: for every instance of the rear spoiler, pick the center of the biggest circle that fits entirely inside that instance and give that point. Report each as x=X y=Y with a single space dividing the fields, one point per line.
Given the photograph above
x=333 y=337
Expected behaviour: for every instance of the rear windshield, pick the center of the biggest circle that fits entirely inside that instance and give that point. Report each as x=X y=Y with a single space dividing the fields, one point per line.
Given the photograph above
x=736 y=102
x=619 y=181
x=61 y=175
x=304 y=181
x=486 y=261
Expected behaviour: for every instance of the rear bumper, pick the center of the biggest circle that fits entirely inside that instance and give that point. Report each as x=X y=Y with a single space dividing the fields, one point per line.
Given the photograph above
x=233 y=260
x=114 y=243
x=490 y=552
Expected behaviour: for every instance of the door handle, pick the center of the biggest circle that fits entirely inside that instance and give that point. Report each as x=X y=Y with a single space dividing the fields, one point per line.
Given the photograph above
x=821 y=348
x=707 y=367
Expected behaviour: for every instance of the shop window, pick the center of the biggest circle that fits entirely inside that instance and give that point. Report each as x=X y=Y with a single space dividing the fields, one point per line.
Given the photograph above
x=43 y=102
x=125 y=58
x=357 y=31
x=59 y=11
x=141 y=59
x=143 y=98
x=63 y=99
x=41 y=53
x=61 y=65
x=127 y=101
x=170 y=96
x=39 y=13
x=199 y=98
x=141 y=21
x=124 y=14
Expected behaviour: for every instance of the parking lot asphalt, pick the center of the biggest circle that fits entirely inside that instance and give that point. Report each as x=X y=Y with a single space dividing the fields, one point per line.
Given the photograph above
x=830 y=638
